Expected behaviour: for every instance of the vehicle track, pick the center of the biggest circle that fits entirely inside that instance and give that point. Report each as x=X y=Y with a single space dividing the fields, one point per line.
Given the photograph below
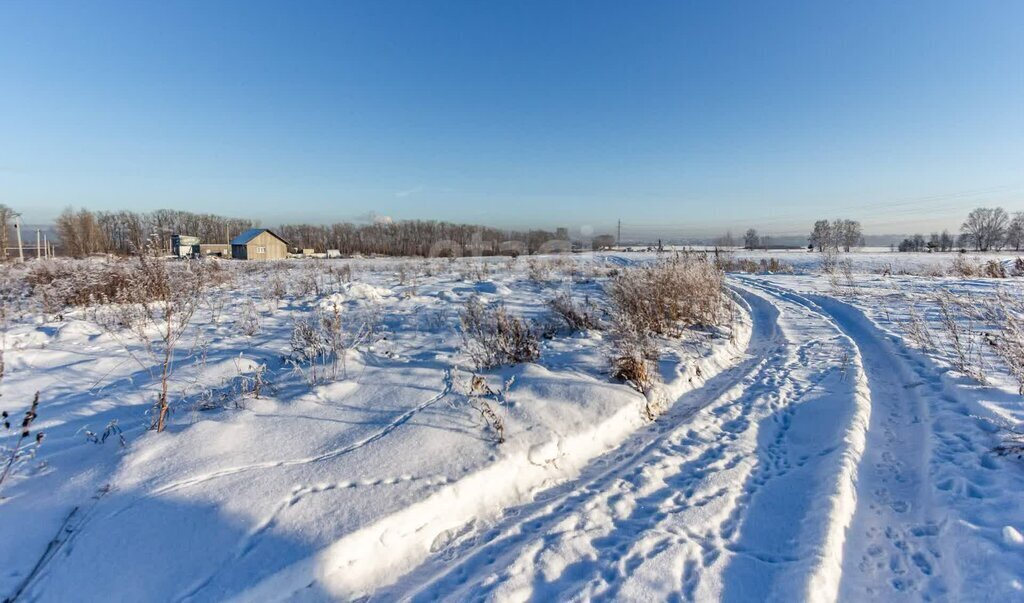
x=730 y=493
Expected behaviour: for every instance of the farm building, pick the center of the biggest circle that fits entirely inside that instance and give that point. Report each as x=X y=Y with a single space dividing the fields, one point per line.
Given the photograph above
x=222 y=250
x=259 y=244
x=184 y=246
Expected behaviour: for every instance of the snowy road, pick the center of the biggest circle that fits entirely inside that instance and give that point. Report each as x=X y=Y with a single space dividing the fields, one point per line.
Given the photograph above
x=803 y=473
x=740 y=492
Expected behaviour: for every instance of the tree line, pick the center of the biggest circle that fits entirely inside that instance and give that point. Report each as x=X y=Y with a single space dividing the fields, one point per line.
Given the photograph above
x=835 y=235
x=420 y=238
x=83 y=232
x=985 y=229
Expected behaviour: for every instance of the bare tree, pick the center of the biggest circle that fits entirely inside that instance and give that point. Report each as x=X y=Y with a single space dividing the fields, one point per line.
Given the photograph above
x=946 y=241
x=1015 y=231
x=822 y=237
x=985 y=228
x=7 y=216
x=751 y=240
x=847 y=233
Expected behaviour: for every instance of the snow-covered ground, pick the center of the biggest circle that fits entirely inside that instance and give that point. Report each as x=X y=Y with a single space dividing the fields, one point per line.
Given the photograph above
x=810 y=450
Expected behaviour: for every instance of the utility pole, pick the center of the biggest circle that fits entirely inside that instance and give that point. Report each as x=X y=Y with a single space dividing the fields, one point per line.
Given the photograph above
x=46 y=248
x=39 y=244
x=21 y=250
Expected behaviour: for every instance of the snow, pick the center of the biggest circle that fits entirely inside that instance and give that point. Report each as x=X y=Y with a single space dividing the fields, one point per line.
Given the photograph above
x=809 y=452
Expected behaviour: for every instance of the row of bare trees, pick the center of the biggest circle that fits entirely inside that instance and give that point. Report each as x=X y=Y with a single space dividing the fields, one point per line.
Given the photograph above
x=937 y=242
x=992 y=229
x=836 y=235
x=416 y=238
x=83 y=232
x=985 y=229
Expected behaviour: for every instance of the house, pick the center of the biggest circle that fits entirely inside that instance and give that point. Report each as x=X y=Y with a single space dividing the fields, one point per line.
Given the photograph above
x=259 y=244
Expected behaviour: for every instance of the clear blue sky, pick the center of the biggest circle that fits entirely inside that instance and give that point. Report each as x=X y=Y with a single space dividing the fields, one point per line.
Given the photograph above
x=681 y=116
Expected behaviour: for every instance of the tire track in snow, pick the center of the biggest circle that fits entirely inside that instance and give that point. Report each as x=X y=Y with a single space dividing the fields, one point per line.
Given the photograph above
x=675 y=501
x=610 y=479
x=895 y=547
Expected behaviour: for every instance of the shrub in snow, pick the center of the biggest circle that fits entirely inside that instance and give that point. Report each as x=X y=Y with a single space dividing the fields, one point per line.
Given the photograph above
x=538 y=271
x=957 y=318
x=995 y=269
x=326 y=337
x=965 y=267
x=917 y=329
x=155 y=308
x=1018 y=267
x=234 y=392
x=479 y=391
x=60 y=283
x=309 y=348
x=775 y=266
x=492 y=337
x=249 y=320
x=633 y=361
x=665 y=298
x=308 y=283
x=275 y=288
x=474 y=272
x=1006 y=313
x=578 y=317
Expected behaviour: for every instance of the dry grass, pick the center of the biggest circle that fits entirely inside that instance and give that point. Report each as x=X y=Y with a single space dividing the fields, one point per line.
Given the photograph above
x=576 y=316
x=668 y=297
x=492 y=337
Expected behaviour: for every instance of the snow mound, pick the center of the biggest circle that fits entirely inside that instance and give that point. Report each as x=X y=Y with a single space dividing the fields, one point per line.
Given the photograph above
x=359 y=292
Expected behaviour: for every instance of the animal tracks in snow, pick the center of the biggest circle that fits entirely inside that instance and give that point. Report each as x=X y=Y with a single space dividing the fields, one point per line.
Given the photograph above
x=731 y=493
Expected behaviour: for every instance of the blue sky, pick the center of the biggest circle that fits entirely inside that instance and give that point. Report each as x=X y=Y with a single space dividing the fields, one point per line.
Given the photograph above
x=681 y=117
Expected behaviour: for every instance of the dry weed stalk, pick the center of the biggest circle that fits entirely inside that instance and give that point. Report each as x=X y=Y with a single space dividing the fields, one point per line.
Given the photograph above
x=17 y=454
x=492 y=337
x=577 y=317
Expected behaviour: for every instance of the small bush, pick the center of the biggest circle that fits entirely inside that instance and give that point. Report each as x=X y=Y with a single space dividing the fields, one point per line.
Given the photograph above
x=1006 y=313
x=1018 y=267
x=249 y=320
x=634 y=368
x=478 y=393
x=578 y=317
x=669 y=296
x=61 y=282
x=775 y=266
x=492 y=337
x=309 y=348
x=538 y=271
x=995 y=269
x=965 y=267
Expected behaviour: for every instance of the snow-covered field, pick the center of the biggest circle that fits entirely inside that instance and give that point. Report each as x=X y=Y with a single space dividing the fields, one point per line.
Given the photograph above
x=811 y=449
